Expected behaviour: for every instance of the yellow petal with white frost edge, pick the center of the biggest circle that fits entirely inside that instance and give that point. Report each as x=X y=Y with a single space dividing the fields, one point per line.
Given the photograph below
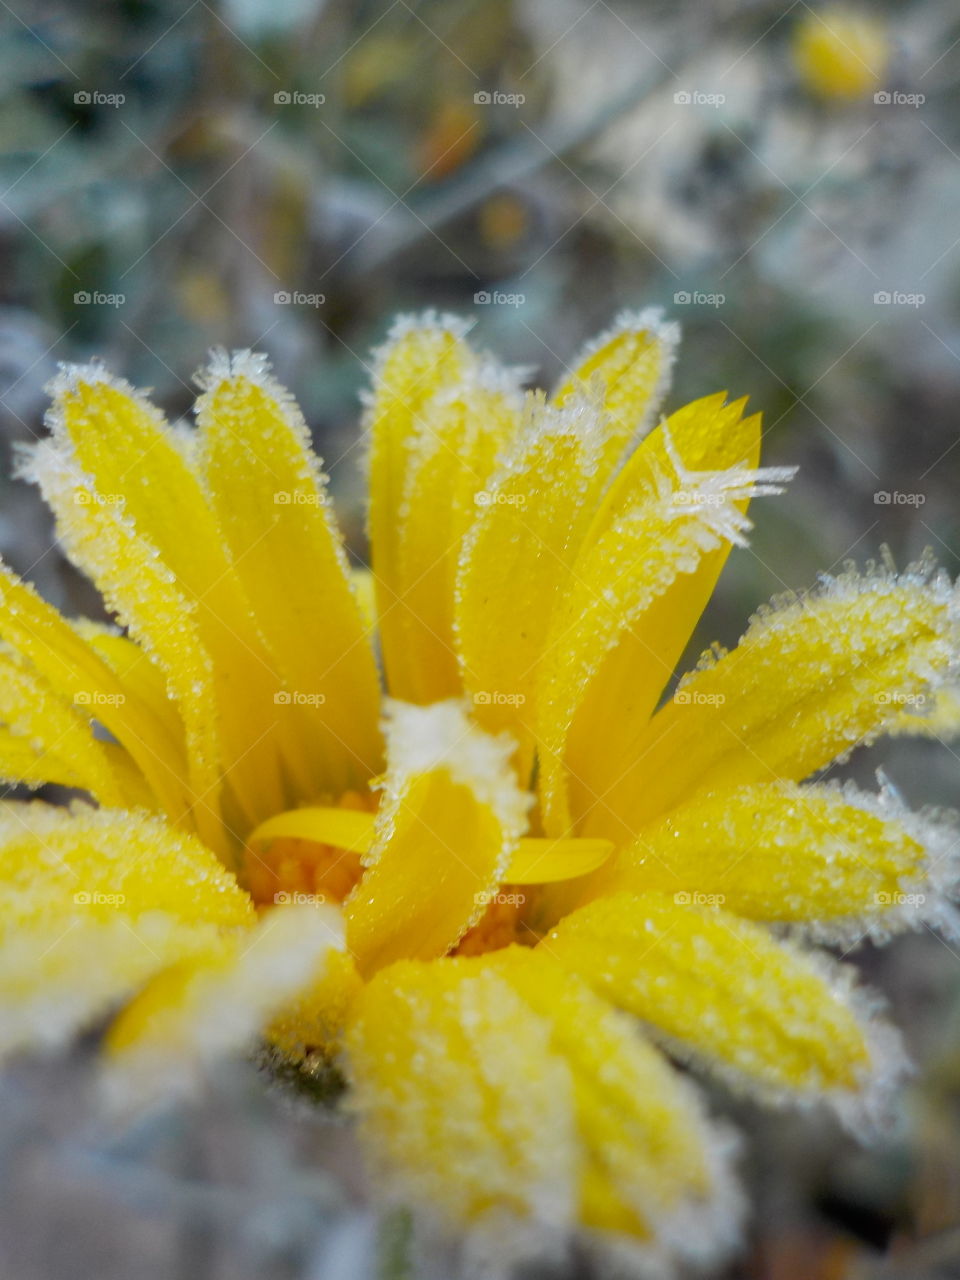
x=517 y=557
x=37 y=632
x=464 y=1107
x=812 y=677
x=54 y=860
x=604 y=664
x=450 y=458
x=271 y=500
x=138 y=675
x=60 y=975
x=721 y=990
x=101 y=542
x=653 y=1164
x=840 y=859
x=422 y=356
x=22 y=764
x=632 y=361
x=216 y=1003
x=450 y=818
x=31 y=709
x=123 y=442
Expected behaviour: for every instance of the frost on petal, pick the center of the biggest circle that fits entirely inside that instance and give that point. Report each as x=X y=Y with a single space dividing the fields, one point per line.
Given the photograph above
x=56 y=730
x=724 y=993
x=837 y=862
x=518 y=553
x=632 y=361
x=813 y=677
x=53 y=859
x=465 y=1110
x=123 y=443
x=652 y=1164
x=448 y=823
x=60 y=975
x=650 y=532
x=71 y=666
x=270 y=497
x=216 y=1003
x=461 y=431
x=144 y=595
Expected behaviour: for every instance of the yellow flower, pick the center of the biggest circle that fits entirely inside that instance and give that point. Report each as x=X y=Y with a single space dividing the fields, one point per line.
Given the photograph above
x=840 y=53
x=503 y=980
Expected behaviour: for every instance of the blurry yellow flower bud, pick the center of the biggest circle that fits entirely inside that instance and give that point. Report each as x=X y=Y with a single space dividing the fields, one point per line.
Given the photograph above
x=840 y=53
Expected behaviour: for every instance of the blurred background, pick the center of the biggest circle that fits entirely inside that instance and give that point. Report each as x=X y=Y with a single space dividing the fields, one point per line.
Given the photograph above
x=783 y=179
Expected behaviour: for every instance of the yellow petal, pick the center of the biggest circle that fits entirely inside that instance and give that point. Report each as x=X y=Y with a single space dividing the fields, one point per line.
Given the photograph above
x=271 y=500
x=813 y=677
x=464 y=1107
x=651 y=1159
x=35 y=630
x=60 y=975
x=459 y=434
x=517 y=557
x=449 y=821
x=138 y=674
x=840 y=860
x=216 y=1003
x=22 y=764
x=535 y=860
x=647 y=566
x=315 y=1020
x=722 y=990
x=50 y=725
x=139 y=589
x=55 y=862
x=422 y=357
x=632 y=361
x=124 y=444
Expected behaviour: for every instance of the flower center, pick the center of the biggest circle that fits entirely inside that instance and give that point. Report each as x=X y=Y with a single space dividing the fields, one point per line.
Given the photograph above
x=317 y=855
